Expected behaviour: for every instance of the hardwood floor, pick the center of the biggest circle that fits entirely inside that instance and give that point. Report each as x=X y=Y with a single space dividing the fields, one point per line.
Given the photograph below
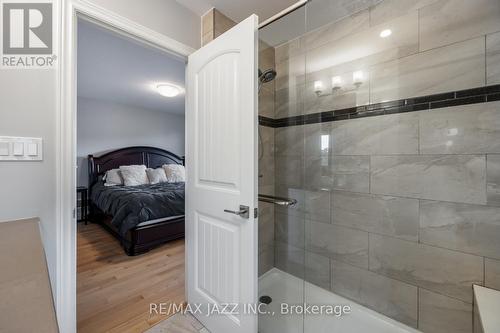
x=114 y=291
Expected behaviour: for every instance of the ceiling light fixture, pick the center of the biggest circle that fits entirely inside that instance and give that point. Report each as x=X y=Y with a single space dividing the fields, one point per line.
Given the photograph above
x=168 y=89
x=385 y=33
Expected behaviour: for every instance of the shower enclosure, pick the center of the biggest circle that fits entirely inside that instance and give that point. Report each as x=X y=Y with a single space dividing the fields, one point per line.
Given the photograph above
x=379 y=135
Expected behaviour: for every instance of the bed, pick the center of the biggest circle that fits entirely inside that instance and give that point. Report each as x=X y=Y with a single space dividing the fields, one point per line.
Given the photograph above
x=140 y=217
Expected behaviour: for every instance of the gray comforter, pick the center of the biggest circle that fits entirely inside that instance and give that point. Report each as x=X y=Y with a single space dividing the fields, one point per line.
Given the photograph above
x=131 y=205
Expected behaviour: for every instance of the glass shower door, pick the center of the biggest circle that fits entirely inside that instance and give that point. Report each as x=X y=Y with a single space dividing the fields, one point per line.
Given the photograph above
x=281 y=176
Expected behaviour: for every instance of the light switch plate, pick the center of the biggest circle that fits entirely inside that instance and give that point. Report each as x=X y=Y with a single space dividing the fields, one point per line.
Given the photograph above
x=32 y=149
x=20 y=149
x=4 y=149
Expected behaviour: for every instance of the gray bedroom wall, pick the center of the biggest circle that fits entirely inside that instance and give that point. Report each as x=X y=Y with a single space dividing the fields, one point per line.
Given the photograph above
x=105 y=126
x=28 y=108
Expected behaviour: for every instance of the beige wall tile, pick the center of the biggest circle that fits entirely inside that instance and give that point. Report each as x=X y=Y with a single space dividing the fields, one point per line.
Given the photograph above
x=450 y=21
x=207 y=38
x=349 y=173
x=290 y=72
x=266 y=100
x=388 y=10
x=289 y=141
x=207 y=22
x=493 y=179
x=458 y=178
x=289 y=171
x=289 y=259
x=453 y=67
x=366 y=44
x=312 y=267
x=392 y=298
x=318 y=139
x=384 y=135
x=392 y=216
x=317 y=270
x=443 y=271
x=466 y=129
x=222 y=23
x=317 y=206
x=290 y=229
x=288 y=49
x=289 y=102
x=493 y=58
x=266 y=258
x=441 y=314
x=492 y=273
x=266 y=224
x=467 y=228
x=336 y=30
x=266 y=56
x=319 y=173
x=338 y=243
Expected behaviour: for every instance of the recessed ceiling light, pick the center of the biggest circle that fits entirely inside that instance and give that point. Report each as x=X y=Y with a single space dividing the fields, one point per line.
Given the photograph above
x=385 y=33
x=168 y=89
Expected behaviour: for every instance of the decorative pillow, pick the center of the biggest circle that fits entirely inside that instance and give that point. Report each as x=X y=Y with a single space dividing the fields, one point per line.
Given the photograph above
x=156 y=176
x=134 y=175
x=113 y=177
x=175 y=173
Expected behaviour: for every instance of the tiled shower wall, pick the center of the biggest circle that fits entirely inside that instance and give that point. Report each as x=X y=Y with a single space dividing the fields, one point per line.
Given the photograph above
x=436 y=46
x=266 y=164
x=398 y=212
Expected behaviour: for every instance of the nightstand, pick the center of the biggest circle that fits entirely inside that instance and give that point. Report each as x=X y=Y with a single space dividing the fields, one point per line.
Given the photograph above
x=83 y=191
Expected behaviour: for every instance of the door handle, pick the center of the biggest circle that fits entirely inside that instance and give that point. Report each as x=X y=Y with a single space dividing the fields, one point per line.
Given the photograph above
x=244 y=212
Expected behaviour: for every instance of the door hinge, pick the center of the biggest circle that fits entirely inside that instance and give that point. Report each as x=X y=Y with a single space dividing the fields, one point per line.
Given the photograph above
x=255 y=213
x=74 y=213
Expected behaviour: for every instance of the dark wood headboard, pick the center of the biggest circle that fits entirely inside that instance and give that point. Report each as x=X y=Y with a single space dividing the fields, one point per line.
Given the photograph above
x=149 y=156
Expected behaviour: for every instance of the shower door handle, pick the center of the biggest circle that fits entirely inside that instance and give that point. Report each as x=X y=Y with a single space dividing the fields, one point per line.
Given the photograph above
x=244 y=212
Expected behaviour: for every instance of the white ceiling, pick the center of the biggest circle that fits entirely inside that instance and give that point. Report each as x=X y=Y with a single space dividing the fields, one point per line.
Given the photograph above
x=239 y=10
x=117 y=69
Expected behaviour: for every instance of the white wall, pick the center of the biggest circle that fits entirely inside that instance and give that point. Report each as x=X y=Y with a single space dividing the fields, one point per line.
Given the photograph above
x=165 y=16
x=105 y=126
x=28 y=108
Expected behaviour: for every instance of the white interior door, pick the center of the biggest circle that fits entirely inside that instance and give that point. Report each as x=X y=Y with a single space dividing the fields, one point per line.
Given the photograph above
x=221 y=162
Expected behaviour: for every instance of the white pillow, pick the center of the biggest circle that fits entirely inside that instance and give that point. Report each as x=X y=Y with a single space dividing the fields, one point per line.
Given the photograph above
x=175 y=173
x=113 y=177
x=156 y=176
x=134 y=175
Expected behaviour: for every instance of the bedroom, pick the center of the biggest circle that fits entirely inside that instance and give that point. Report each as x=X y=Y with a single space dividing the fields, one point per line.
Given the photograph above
x=130 y=177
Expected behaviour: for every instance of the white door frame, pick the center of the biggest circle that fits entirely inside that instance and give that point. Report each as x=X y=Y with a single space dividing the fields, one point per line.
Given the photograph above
x=65 y=293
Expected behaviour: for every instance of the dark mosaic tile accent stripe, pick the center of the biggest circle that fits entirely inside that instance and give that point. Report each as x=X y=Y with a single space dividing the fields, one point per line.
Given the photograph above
x=265 y=121
x=455 y=98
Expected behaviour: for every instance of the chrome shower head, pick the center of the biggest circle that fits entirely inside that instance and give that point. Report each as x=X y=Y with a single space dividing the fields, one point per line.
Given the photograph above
x=267 y=76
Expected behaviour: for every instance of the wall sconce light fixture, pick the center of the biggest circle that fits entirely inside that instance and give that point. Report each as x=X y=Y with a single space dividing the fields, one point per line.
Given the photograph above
x=318 y=87
x=336 y=83
x=357 y=78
